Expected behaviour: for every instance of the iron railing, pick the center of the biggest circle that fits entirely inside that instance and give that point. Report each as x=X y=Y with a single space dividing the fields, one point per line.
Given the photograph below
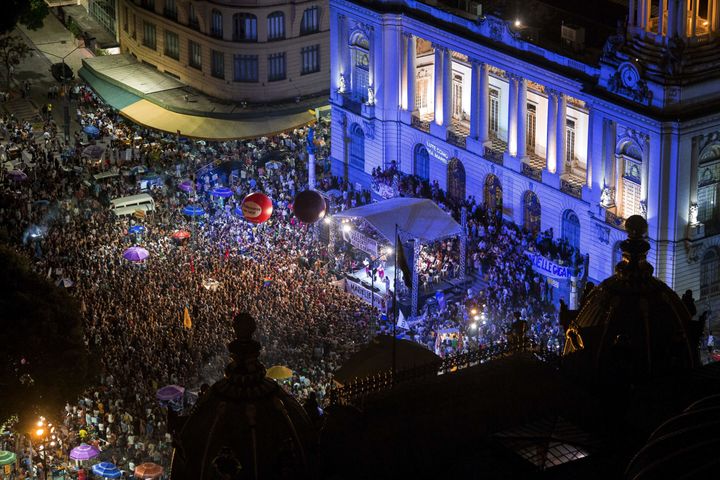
x=456 y=139
x=570 y=188
x=614 y=220
x=532 y=172
x=420 y=124
x=494 y=155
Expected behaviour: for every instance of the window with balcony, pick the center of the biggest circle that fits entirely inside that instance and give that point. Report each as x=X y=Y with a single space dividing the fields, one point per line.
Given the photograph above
x=149 y=39
x=276 y=26
x=195 y=55
x=276 y=67
x=246 y=68
x=148 y=5
x=494 y=111
x=193 y=21
x=216 y=29
x=217 y=64
x=310 y=21
x=708 y=188
x=170 y=10
x=244 y=27
x=310 y=59
x=172 y=45
x=569 y=142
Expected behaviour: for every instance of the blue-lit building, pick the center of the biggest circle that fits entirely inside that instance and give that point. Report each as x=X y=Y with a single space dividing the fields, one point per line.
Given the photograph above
x=570 y=115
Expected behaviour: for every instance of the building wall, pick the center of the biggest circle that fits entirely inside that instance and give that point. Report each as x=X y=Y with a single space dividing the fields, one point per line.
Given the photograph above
x=132 y=14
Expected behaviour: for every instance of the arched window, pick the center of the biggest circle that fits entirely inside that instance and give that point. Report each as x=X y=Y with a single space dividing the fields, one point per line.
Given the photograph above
x=531 y=212
x=276 y=26
x=710 y=274
x=360 y=79
x=629 y=166
x=456 y=181
x=708 y=195
x=571 y=229
x=357 y=147
x=310 y=21
x=492 y=193
x=216 y=29
x=422 y=162
x=244 y=27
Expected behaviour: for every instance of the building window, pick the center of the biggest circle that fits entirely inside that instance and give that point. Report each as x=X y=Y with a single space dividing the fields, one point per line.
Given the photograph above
x=357 y=147
x=310 y=21
x=170 y=10
x=244 y=27
x=172 y=45
x=422 y=162
x=126 y=16
x=531 y=212
x=631 y=186
x=360 y=79
x=530 y=127
x=710 y=274
x=193 y=21
x=104 y=13
x=149 y=39
x=218 y=64
x=148 y=5
x=708 y=188
x=457 y=110
x=571 y=229
x=494 y=112
x=246 y=68
x=492 y=194
x=134 y=27
x=216 y=30
x=421 y=92
x=310 y=59
x=569 y=142
x=276 y=67
x=276 y=26
x=195 y=55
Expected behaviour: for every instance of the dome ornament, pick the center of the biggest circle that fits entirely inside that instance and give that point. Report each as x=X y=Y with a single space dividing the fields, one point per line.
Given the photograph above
x=634 y=262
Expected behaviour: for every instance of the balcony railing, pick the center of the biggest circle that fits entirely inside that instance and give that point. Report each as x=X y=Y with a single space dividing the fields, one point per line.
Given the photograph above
x=456 y=139
x=171 y=14
x=532 y=172
x=614 y=220
x=420 y=124
x=194 y=24
x=570 y=188
x=349 y=103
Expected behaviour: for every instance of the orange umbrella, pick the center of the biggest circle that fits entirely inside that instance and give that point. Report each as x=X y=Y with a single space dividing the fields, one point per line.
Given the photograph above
x=181 y=235
x=148 y=470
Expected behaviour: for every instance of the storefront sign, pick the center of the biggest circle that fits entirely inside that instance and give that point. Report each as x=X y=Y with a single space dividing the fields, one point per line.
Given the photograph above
x=362 y=242
x=365 y=294
x=549 y=268
x=437 y=152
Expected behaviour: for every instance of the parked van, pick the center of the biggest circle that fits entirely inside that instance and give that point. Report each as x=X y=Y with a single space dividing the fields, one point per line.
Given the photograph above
x=129 y=205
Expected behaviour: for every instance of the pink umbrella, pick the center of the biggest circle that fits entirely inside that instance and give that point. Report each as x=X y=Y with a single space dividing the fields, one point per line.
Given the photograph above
x=170 y=392
x=186 y=186
x=84 y=452
x=136 y=254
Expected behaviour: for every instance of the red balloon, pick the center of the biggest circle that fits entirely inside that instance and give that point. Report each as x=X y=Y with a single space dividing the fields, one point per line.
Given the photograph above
x=309 y=206
x=256 y=207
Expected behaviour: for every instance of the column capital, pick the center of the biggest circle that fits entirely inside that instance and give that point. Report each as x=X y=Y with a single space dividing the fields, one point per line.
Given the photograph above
x=477 y=63
x=553 y=93
x=515 y=77
x=407 y=35
x=437 y=47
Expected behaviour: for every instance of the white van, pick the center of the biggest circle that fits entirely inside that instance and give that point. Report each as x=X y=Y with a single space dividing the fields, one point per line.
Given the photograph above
x=129 y=205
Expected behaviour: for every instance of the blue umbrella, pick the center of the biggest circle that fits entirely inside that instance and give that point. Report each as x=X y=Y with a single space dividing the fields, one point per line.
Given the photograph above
x=136 y=229
x=238 y=211
x=91 y=130
x=107 y=470
x=222 y=192
x=193 y=211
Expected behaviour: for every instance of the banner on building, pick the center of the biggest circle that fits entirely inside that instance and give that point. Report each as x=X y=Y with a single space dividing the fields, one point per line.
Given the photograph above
x=365 y=294
x=362 y=242
x=549 y=268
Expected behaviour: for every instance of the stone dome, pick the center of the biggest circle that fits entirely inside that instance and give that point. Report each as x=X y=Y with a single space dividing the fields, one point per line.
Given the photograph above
x=632 y=326
x=245 y=426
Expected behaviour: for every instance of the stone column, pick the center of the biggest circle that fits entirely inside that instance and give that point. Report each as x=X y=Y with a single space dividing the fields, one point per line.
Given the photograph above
x=631 y=14
x=447 y=87
x=483 y=95
x=694 y=157
x=662 y=5
x=410 y=72
x=589 y=148
x=550 y=146
x=437 y=81
x=344 y=69
x=644 y=175
x=560 y=138
x=693 y=17
x=474 y=99
x=671 y=19
x=522 y=119
x=512 y=115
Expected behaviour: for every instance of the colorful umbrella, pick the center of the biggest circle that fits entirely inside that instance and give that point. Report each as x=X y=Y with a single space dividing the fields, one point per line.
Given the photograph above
x=84 y=452
x=181 y=235
x=193 y=211
x=65 y=282
x=278 y=372
x=136 y=229
x=6 y=458
x=93 y=151
x=91 y=130
x=17 y=175
x=186 y=186
x=148 y=470
x=222 y=192
x=170 y=392
x=136 y=254
x=107 y=470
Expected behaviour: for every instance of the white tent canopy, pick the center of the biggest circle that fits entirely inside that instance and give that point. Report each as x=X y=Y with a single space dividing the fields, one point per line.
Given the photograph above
x=419 y=218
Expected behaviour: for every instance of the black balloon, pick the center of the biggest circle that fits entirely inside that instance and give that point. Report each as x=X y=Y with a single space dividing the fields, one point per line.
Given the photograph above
x=309 y=206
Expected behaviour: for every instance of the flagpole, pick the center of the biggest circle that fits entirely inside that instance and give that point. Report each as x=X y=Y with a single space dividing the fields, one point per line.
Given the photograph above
x=395 y=309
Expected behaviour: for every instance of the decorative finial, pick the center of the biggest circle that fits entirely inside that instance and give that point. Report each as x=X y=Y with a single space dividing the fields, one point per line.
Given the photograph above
x=245 y=367
x=634 y=262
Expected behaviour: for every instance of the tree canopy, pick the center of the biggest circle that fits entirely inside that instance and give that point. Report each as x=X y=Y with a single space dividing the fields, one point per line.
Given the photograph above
x=43 y=358
x=30 y=13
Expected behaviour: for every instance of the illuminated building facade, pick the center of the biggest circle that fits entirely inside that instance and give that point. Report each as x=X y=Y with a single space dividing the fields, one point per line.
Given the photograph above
x=574 y=124
x=255 y=51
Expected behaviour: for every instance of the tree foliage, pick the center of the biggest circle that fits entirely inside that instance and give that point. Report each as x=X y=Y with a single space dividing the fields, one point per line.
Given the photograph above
x=43 y=358
x=30 y=13
x=12 y=51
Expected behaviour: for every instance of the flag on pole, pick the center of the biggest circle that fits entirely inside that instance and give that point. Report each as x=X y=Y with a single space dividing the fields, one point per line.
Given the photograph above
x=402 y=323
x=402 y=263
x=187 y=323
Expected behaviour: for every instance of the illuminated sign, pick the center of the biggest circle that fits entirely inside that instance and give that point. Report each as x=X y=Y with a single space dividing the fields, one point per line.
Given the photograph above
x=437 y=152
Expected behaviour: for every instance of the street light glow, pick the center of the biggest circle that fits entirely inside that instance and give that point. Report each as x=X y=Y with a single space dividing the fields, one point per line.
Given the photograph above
x=39 y=432
x=346 y=227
